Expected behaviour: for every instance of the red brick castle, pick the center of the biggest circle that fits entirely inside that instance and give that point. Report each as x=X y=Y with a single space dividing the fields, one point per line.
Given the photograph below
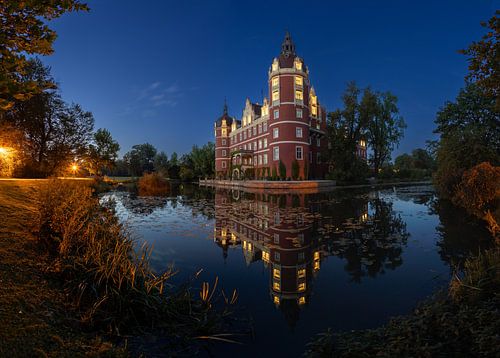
x=287 y=131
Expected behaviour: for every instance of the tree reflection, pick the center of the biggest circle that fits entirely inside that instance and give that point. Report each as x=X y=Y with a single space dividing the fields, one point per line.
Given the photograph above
x=291 y=233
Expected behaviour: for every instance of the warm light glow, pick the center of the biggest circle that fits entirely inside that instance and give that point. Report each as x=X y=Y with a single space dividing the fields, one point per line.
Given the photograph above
x=276 y=273
x=4 y=151
x=316 y=255
x=74 y=167
x=301 y=273
x=302 y=300
x=276 y=286
x=276 y=300
x=302 y=286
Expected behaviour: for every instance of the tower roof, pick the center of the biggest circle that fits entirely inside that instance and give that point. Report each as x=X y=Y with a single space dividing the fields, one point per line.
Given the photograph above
x=288 y=47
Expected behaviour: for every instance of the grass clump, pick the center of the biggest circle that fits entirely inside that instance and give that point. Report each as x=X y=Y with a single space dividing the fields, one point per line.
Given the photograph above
x=465 y=322
x=153 y=184
x=111 y=284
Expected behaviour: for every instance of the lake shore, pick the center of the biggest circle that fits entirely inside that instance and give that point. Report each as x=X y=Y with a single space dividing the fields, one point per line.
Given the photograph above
x=34 y=311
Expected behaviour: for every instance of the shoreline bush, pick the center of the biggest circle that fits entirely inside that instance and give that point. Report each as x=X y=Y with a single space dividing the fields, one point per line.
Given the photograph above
x=111 y=285
x=153 y=184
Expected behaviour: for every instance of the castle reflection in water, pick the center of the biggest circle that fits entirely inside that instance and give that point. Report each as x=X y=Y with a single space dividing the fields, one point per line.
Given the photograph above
x=291 y=234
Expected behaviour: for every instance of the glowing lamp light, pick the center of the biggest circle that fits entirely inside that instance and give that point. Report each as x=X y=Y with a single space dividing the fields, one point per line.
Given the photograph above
x=74 y=167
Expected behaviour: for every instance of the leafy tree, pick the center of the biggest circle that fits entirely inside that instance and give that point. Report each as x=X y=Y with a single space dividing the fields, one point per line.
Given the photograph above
x=56 y=133
x=161 y=164
x=385 y=126
x=422 y=159
x=470 y=135
x=102 y=153
x=186 y=173
x=140 y=159
x=24 y=31
x=345 y=128
x=174 y=168
x=282 y=170
x=484 y=60
x=404 y=162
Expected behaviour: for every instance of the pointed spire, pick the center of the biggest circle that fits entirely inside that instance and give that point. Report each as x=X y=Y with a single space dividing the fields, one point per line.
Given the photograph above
x=287 y=47
x=224 y=112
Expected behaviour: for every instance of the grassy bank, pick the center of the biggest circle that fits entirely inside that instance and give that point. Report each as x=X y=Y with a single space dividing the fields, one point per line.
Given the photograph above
x=34 y=311
x=81 y=279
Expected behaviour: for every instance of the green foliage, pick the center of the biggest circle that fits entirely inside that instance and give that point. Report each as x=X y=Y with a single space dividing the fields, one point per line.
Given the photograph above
x=140 y=159
x=56 y=133
x=469 y=135
x=25 y=32
x=274 y=174
x=295 y=170
x=186 y=174
x=161 y=164
x=385 y=127
x=250 y=173
x=201 y=161
x=374 y=117
x=282 y=170
x=102 y=153
x=418 y=165
x=484 y=61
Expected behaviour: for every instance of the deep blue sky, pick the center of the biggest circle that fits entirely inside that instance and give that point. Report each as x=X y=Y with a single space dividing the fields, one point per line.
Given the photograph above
x=158 y=71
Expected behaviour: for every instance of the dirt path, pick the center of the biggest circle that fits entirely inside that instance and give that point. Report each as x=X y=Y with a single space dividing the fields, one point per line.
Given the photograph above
x=35 y=319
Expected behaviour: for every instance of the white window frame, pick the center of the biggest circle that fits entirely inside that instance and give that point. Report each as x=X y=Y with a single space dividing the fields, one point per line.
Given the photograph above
x=298 y=132
x=276 y=113
x=265 y=159
x=276 y=133
x=223 y=152
x=298 y=112
x=276 y=153
x=299 y=149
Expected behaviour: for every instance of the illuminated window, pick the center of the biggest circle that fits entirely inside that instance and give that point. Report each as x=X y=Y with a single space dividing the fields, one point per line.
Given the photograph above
x=260 y=143
x=301 y=287
x=298 y=153
x=298 y=113
x=298 y=132
x=265 y=142
x=254 y=130
x=276 y=286
x=276 y=114
x=302 y=300
x=276 y=273
x=299 y=96
x=316 y=255
x=260 y=159
x=298 y=80
x=224 y=132
x=276 y=133
x=265 y=159
x=264 y=127
x=276 y=81
x=265 y=256
x=301 y=273
x=276 y=96
x=276 y=300
x=245 y=135
x=276 y=153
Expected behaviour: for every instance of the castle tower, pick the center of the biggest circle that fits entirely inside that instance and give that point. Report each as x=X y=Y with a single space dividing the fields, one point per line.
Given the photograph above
x=289 y=110
x=222 y=127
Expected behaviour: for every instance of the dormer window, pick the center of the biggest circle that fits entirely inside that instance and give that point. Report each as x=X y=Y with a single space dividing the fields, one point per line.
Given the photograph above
x=275 y=65
x=298 y=65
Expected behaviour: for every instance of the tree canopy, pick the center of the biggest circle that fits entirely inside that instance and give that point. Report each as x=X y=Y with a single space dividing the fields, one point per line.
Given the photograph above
x=24 y=31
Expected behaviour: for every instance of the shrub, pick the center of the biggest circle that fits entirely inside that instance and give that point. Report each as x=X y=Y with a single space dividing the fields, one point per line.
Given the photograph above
x=295 y=169
x=479 y=193
x=186 y=174
x=153 y=185
x=282 y=170
x=274 y=174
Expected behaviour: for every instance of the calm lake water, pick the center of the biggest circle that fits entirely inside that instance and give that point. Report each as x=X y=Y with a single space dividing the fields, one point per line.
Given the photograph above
x=348 y=259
